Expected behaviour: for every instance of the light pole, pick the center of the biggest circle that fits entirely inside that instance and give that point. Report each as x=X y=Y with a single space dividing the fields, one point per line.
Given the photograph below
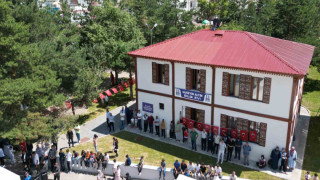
x=155 y=25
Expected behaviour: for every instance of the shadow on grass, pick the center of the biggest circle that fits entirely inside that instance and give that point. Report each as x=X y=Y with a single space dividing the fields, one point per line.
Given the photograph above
x=189 y=155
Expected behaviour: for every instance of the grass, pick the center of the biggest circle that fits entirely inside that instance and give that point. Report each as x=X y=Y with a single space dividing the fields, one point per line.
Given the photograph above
x=311 y=100
x=153 y=151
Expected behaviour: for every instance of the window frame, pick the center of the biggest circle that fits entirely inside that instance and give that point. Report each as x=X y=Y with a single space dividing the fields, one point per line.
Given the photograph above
x=195 y=82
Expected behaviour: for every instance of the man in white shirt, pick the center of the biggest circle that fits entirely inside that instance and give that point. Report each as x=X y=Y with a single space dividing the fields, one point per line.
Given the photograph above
x=203 y=139
x=35 y=159
x=69 y=158
x=218 y=171
x=222 y=147
x=216 y=141
x=139 y=118
x=111 y=122
x=191 y=167
x=157 y=125
x=122 y=118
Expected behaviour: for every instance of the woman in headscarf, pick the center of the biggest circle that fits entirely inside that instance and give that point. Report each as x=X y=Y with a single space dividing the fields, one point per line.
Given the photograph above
x=100 y=175
x=292 y=158
x=275 y=156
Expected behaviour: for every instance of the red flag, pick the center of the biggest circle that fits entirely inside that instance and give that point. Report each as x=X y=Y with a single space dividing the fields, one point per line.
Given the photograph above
x=184 y=121
x=234 y=133
x=114 y=90
x=223 y=131
x=101 y=96
x=244 y=135
x=199 y=126
x=120 y=87
x=68 y=104
x=207 y=127
x=126 y=84
x=95 y=101
x=108 y=92
x=22 y=146
x=253 y=136
x=190 y=124
x=215 y=129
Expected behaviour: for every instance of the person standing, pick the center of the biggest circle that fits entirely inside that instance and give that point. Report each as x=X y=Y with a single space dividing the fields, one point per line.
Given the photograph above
x=185 y=135
x=116 y=147
x=140 y=165
x=157 y=126
x=77 y=131
x=108 y=120
x=56 y=172
x=145 y=122
x=62 y=159
x=95 y=142
x=112 y=79
x=122 y=118
x=111 y=122
x=283 y=166
x=127 y=111
x=24 y=158
x=203 y=139
x=194 y=136
x=238 y=145
x=246 y=153
x=292 y=158
x=139 y=118
x=163 y=129
x=70 y=137
x=230 y=143
x=106 y=100
x=117 y=173
x=36 y=161
x=210 y=141
x=1 y=157
x=69 y=159
x=222 y=147
x=178 y=132
x=52 y=156
x=275 y=156
x=162 y=169
x=216 y=140
x=172 y=135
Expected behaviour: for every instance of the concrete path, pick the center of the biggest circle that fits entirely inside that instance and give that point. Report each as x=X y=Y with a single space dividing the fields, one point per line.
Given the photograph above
x=77 y=176
x=96 y=126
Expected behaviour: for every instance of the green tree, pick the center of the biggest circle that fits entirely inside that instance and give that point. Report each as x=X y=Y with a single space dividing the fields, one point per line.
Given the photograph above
x=209 y=9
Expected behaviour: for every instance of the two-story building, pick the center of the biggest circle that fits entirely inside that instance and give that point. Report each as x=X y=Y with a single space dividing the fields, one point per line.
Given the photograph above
x=245 y=84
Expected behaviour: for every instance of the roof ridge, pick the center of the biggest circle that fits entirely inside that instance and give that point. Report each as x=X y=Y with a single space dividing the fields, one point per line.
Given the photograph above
x=249 y=34
x=168 y=40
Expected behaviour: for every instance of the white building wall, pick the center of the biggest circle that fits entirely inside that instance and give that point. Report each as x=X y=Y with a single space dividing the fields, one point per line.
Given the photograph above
x=180 y=76
x=276 y=132
x=280 y=95
x=165 y=114
x=144 y=70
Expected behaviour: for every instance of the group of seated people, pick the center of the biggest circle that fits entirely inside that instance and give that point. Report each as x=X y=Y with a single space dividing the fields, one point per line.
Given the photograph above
x=198 y=171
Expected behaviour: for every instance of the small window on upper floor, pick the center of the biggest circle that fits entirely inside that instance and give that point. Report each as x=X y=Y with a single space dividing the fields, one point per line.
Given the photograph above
x=160 y=73
x=196 y=79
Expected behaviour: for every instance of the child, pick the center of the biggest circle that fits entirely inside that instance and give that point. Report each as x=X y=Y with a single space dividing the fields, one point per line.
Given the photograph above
x=185 y=135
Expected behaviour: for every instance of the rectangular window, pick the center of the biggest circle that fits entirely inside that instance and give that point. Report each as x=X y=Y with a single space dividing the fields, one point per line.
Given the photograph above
x=195 y=79
x=160 y=73
x=161 y=105
x=234 y=85
x=257 y=88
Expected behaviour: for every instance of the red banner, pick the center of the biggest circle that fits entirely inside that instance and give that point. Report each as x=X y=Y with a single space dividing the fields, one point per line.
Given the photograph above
x=244 y=135
x=114 y=90
x=190 y=124
x=253 y=136
x=101 y=96
x=234 y=133
x=215 y=129
x=95 y=101
x=108 y=92
x=184 y=121
x=199 y=126
x=207 y=127
x=223 y=131
x=22 y=146
x=126 y=84
x=120 y=87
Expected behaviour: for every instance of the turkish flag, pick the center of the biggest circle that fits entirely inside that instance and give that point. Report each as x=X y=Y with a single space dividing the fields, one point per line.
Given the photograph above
x=244 y=135
x=95 y=101
x=68 y=104
x=114 y=90
x=207 y=127
x=101 y=96
x=108 y=92
x=234 y=133
x=253 y=136
x=126 y=84
x=215 y=129
x=190 y=124
x=22 y=146
x=223 y=131
x=184 y=121
x=199 y=126
x=120 y=87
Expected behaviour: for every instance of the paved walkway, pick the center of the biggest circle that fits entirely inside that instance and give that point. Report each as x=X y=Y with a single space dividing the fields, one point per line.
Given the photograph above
x=77 y=176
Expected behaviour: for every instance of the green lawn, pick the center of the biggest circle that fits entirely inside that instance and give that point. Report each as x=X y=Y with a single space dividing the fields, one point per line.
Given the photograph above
x=153 y=151
x=311 y=100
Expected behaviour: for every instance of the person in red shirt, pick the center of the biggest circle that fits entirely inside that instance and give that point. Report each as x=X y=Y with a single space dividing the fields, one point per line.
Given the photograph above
x=185 y=135
x=150 y=121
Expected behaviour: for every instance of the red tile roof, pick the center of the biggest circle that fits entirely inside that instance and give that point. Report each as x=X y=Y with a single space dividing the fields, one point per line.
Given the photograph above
x=234 y=49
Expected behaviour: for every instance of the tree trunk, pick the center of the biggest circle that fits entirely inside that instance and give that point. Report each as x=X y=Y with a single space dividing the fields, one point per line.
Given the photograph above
x=131 y=90
x=116 y=72
x=72 y=107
